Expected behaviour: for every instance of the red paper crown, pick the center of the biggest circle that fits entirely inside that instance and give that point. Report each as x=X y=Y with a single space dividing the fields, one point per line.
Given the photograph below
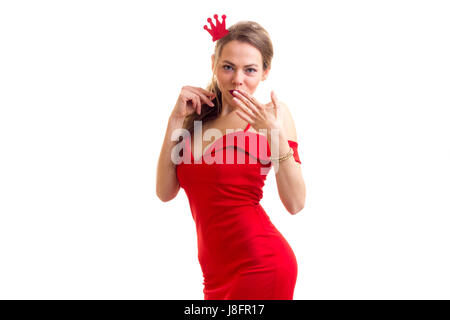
x=218 y=31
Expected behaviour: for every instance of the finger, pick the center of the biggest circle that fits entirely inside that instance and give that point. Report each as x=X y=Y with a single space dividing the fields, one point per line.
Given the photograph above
x=194 y=103
x=206 y=92
x=191 y=98
x=203 y=96
x=199 y=105
x=198 y=90
x=247 y=103
x=244 y=108
x=205 y=99
x=250 y=98
x=275 y=103
x=244 y=116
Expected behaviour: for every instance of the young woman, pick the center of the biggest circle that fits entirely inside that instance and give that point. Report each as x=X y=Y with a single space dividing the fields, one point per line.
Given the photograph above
x=241 y=253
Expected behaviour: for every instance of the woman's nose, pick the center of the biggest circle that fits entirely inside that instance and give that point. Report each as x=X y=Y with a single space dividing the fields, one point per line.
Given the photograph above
x=238 y=78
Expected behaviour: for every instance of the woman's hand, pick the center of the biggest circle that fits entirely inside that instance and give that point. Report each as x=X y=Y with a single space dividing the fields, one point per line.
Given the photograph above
x=258 y=115
x=191 y=100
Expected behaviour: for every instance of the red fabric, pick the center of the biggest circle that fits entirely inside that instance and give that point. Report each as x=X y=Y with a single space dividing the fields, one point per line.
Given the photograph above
x=294 y=146
x=241 y=253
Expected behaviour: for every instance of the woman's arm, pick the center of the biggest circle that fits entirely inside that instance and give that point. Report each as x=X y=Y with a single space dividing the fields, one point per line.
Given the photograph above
x=167 y=185
x=290 y=183
x=189 y=101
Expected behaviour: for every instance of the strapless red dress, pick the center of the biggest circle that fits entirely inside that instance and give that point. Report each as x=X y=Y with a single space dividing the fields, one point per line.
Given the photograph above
x=241 y=253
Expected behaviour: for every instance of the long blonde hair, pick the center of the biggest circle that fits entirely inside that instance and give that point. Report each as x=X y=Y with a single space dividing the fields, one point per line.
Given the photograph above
x=245 y=31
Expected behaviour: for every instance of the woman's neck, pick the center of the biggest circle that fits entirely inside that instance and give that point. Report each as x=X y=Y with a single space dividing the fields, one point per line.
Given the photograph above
x=227 y=109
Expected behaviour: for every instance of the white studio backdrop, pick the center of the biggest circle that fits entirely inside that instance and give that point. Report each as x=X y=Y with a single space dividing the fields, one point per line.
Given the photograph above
x=86 y=89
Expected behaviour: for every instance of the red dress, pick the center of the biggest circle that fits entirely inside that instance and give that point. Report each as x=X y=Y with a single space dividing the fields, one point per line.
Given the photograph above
x=241 y=253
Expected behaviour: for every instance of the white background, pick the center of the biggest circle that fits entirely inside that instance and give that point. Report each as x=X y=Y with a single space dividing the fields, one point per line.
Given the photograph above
x=86 y=88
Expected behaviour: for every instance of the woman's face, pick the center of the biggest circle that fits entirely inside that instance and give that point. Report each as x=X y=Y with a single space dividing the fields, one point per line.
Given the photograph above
x=239 y=67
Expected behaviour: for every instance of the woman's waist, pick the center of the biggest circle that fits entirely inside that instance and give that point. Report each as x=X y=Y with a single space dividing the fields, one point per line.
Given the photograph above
x=219 y=207
x=227 y=213
x=236 y=226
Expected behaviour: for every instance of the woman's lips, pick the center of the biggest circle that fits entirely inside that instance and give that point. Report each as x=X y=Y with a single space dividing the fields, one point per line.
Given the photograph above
x=231 y=92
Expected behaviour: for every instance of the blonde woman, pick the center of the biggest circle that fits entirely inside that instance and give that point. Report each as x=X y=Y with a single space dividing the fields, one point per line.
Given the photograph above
x=241 y=253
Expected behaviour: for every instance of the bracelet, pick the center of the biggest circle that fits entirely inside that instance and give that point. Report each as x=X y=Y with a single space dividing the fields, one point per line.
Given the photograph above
x=286 y=156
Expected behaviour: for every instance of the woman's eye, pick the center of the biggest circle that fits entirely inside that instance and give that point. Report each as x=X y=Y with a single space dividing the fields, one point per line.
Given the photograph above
x=253 y=70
